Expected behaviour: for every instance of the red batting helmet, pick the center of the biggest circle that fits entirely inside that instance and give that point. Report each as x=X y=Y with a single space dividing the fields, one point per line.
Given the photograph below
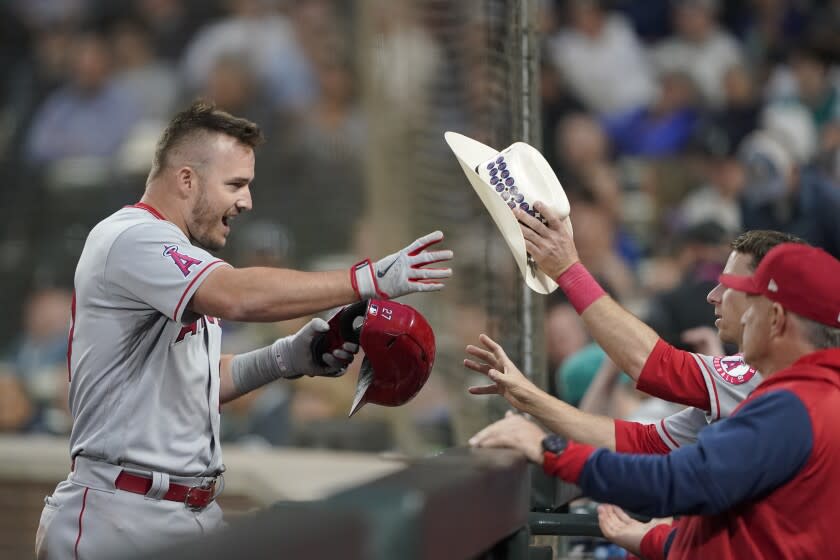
x=399 y=350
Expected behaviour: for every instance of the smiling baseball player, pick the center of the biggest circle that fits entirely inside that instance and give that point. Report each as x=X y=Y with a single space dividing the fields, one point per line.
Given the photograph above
x=144 y=358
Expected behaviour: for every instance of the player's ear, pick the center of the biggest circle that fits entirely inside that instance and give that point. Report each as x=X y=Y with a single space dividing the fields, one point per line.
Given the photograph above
x=779 y=320
x=187 y=181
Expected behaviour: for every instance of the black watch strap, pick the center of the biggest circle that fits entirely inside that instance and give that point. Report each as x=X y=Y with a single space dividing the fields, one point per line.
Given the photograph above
x=554 y=444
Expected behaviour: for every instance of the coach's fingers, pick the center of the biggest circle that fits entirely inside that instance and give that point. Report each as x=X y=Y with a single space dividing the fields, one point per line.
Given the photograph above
x=494 y=347
x=553 y=219
x=499 y=377
x=531 y=236
x=476 y=366
x=531 y=222
x=484 y=390
x=497 y=440
x=481 y=354
x=607 y=520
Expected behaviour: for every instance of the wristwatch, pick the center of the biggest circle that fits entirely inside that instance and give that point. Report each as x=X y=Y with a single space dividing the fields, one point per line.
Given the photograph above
x=554 y=444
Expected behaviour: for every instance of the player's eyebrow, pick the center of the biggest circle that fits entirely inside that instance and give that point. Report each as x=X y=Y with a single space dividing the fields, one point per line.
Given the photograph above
x=239 y=180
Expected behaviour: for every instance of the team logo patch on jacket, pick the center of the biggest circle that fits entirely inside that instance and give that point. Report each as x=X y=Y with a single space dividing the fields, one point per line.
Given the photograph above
x=732 y=369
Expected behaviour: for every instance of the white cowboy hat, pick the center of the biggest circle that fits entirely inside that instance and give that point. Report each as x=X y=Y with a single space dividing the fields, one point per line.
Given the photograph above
x=519 y=175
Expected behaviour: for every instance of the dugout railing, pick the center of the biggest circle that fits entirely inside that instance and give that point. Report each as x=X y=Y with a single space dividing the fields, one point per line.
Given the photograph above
x=462 y=504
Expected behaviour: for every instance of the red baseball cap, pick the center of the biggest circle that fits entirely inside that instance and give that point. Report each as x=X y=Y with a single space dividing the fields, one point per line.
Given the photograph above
x=803 y=279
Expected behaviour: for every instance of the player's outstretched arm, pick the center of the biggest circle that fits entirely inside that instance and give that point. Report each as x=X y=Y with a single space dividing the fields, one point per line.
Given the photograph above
x=556 y=415
x=274 y=294
x=626 y=339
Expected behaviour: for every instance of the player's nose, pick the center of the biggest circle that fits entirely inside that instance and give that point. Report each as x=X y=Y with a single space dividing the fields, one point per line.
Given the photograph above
x=714 y=295
x=245 y=203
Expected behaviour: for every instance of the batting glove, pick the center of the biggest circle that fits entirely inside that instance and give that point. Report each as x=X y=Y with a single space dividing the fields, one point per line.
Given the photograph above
x=400 y=273
x=294 y=353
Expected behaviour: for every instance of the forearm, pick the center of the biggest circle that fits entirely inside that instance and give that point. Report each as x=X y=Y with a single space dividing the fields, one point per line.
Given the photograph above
x=566 y=420
x=271 y=294
x=626 y=339
x=227 y=390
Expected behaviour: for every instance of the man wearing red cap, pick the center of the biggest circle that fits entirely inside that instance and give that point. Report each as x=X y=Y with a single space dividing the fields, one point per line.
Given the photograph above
x=762 y=483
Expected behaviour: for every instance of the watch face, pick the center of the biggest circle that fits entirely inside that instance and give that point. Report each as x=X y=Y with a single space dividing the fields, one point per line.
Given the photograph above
x=554 y=443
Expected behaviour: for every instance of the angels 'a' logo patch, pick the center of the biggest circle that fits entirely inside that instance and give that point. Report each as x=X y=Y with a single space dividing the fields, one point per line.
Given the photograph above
x=733 y=369
x=182 y=261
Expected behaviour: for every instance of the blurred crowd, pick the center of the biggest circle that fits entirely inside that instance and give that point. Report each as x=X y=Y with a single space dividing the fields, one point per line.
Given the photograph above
x=673 y=125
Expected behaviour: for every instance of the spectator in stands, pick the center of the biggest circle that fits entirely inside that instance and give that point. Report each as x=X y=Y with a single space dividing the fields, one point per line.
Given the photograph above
x=701 y=254
x=713 y=148
x=564 y=333
x=319 y=154
x=782 y=192
x=597 y=236
x=15 y=407
x=151 y=80
x=262 y=37
x=581 y=144
x=234 y=86
x=90 y=116
x=701 y=48
x=39 y=360
x=602 y=60
x=815 y=88
x=556 y=103
x=660 y=129
x=171 y=23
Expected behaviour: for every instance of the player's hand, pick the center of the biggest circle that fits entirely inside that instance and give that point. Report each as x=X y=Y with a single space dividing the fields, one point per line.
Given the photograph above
x=550 y=244
x=508 y=381
x=622 y=529
x=403 y=272
x=513 y=431
x=294 y=353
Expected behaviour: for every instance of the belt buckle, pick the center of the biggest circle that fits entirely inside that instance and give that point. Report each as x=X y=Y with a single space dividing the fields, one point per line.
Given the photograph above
x=195 y=507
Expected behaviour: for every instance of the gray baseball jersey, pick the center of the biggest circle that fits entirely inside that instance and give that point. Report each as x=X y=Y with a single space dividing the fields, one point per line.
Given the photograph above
x=144 y=371
x=712 y=386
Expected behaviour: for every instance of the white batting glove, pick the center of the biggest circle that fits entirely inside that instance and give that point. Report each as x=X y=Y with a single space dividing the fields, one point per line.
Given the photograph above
x=400 y=273
x=294 y=353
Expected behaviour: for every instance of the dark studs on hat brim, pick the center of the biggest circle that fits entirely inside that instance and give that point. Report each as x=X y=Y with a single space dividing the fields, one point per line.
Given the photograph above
x=503 y=182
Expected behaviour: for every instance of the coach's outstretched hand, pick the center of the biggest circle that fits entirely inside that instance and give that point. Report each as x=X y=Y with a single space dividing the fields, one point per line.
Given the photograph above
x=550 y=243
x=403 y=272
x=514 y=431
x=508 y=381
x=623 y=530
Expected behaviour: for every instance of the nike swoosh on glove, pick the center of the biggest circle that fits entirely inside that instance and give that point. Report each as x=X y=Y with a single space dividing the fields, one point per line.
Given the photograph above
x=402 y=272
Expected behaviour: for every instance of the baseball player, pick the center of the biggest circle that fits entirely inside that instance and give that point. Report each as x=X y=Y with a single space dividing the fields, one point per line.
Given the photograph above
x=763 y=482
x=711 y=386
x=146 y=372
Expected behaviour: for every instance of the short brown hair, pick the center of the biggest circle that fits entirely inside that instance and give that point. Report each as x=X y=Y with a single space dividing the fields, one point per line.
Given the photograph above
x=203 y=116
x=758 y=242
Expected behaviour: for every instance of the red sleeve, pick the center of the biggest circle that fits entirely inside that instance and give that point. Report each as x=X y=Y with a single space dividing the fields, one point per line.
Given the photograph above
x=569 y=464
x=653 y=543
x=633 y=437
x=674 y=375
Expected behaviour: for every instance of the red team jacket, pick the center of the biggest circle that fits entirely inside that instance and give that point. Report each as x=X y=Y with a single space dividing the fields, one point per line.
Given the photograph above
x=760 y=484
